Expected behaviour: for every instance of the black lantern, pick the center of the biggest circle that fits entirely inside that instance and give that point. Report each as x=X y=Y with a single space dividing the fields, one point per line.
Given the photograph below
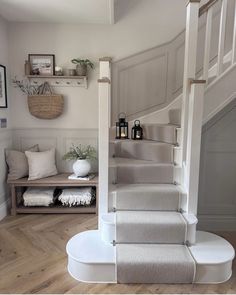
x=122 y=127
x=137 y=131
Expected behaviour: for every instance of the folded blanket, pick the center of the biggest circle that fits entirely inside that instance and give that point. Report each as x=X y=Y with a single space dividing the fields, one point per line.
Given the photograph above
x=76 y=196
x=38 y=197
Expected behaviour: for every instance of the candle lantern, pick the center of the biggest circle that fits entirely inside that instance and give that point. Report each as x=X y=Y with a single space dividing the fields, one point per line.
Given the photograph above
x=122 y=127
x=137 y=131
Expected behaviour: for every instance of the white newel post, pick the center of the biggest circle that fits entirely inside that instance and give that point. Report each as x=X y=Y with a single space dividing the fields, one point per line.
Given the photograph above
x=104 y=96
x=196 y=102
x=191 y=37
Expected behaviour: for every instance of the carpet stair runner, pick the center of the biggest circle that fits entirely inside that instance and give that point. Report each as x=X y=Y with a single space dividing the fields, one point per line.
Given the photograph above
x=165 y=197
x=152 y=263
x=154 y=227
x=150 y=228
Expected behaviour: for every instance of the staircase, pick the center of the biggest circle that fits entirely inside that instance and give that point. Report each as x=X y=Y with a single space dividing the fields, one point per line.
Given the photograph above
x=149 y=190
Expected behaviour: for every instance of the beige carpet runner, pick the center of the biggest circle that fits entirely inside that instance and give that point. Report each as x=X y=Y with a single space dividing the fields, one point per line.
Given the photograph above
x=163 y=264
x=150 y=230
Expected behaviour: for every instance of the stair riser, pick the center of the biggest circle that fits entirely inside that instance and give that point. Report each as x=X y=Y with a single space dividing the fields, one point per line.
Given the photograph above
x=144 y=201
x=143 y=151
x=160 y=133
x=175 y=117
x=108 y=231
x=141 y=174
x=155 y=234
x=177 y=155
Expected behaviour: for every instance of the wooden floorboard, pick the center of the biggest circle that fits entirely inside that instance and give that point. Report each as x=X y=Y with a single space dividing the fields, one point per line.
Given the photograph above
x=33 y=259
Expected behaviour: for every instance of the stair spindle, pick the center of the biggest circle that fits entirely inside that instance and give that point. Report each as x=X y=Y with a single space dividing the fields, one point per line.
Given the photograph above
x=221 y=46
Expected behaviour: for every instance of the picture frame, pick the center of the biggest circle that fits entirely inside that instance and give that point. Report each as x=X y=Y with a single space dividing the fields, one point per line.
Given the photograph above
x=42 y=64
x=3 y=87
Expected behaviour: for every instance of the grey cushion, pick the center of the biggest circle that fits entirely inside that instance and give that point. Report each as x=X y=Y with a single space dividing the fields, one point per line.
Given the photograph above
x=17 y=163
x=41 y=164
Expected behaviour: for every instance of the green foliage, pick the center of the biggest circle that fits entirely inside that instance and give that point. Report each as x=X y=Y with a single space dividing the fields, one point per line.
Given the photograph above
x=86 y=62
x=81 y=153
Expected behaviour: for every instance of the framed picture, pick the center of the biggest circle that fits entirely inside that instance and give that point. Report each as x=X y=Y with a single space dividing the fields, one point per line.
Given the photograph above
x=3 y=87
x=42 y=64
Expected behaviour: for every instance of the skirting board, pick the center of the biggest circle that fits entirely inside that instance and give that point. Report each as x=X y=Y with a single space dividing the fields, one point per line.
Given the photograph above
x=217 y=222
x=4 y=209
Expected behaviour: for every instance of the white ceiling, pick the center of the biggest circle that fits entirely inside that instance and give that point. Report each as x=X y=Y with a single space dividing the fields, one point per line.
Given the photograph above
x=58 y=11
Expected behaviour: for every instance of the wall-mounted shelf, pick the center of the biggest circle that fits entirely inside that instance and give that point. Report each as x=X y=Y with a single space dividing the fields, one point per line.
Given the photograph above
x=59 y=81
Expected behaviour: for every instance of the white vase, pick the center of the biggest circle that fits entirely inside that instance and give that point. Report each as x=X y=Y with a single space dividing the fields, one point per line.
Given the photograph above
x=81 y=167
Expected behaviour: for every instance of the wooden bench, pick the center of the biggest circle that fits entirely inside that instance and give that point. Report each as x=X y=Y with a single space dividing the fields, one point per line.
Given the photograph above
x=59 y=181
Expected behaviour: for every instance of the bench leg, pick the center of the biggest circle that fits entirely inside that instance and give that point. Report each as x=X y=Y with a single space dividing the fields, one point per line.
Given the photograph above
x=13 y=200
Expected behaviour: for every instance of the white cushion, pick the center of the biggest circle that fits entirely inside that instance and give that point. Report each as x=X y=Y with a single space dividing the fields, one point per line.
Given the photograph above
x=41 y=164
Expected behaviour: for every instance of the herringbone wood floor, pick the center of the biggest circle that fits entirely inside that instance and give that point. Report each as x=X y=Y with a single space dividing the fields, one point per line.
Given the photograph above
x=33 y=259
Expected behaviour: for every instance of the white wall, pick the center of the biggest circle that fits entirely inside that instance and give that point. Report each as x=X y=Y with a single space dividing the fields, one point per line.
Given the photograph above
x=5 y=134
x=141 y=25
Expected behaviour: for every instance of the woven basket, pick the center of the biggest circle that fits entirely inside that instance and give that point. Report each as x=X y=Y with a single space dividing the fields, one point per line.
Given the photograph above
x=46 y=106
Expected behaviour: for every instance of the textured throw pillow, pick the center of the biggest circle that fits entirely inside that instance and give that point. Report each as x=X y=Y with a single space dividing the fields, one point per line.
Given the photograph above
x=17 y=163
x=41 y=164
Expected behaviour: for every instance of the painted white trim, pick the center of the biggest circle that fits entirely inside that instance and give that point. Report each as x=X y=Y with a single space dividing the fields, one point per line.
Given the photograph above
x=4 y=209
x=111 y=12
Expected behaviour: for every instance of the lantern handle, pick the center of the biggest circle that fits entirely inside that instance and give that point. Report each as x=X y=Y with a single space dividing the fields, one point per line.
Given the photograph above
x=136 y=121
x=121 y=114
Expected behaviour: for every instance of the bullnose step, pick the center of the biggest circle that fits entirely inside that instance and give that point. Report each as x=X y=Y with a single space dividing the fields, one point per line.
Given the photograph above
x=162 y=197
x=143 y=150
x=91 y=260
x=150 y=227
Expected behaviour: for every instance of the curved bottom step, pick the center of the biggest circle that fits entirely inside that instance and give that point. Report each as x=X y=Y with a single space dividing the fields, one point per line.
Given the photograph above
x=91 y=260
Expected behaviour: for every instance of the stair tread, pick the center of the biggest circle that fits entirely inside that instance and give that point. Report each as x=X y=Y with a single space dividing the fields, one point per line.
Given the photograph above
x=113 y=162
x=143 y=141
x=160 y=125
x=147 y=187
x=152 y=252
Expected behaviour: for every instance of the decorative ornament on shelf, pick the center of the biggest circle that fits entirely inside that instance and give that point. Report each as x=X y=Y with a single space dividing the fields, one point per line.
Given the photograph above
x=82 y=155
x=137 y=131
x=58 y=71
x=122 y=127
x=82 y=66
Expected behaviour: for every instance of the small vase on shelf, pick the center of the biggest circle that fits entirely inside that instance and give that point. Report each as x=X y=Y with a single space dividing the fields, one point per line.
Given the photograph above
x=81 y=168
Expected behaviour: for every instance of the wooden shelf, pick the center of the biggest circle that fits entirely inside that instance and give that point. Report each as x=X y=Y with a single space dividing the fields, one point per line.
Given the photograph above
x=56 y=77
x=59 y=81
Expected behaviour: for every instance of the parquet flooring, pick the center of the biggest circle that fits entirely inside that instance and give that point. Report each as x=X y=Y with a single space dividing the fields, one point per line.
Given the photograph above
x=33 y=259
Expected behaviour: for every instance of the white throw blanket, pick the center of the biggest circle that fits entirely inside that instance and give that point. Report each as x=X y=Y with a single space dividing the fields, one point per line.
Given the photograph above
x=76 y=196
x=38 y=197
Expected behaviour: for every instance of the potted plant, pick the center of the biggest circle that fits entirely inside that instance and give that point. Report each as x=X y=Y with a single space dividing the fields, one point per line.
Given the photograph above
x=82 y=155
x=82 y=66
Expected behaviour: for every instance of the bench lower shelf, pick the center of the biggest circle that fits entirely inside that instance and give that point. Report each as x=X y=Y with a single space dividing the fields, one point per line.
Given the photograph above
x=56 y=210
